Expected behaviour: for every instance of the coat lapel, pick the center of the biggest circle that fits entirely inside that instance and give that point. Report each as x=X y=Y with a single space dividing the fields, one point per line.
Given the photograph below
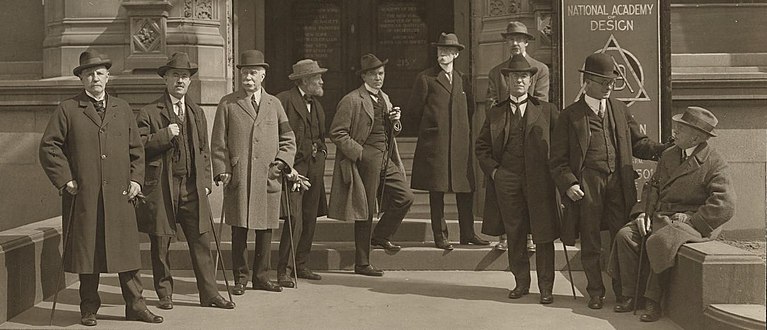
x=266 y=104
x=111 y=112
x=581 y=125
x=165 y=108
x=367 y=102
x=89 y=110
x=442 y=79
x=616 y=112
x=299 y=104
x=692 y=163
x=497 y=119
x=532 y=112
x=244 y=103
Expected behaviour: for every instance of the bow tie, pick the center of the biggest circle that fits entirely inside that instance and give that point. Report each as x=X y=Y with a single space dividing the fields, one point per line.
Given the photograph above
x=99 y=105
x=307 y=98
x=518 y=104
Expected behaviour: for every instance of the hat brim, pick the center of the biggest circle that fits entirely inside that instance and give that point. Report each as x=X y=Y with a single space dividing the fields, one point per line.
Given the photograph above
x=107 y=64
x=240 y=66
x=360 y=71
x=296 y=76
x=161 y=71
x=529 y=36
x=613 y=76
x=678 y=118
x=533 y=70
x=437 y=44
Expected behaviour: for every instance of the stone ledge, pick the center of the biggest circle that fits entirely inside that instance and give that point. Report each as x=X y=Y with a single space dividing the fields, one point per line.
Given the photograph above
x=735 y=316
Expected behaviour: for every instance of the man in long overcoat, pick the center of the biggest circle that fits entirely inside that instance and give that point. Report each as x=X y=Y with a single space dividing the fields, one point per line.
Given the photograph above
x=91 y=151
x=591 y=164
x=511 y=149
x=175 y=135
x=252 y=144
x=363 y=130
x=307 y=119
x=442 y=161
x=689 y=198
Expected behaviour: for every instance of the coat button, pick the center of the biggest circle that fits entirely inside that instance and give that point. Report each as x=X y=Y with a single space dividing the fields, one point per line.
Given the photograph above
x=104 y=182
x=103 y=156
x=101 y=130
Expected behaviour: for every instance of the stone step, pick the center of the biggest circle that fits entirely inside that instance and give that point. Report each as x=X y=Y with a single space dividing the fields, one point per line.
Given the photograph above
x=413 y=256
x=735 y=316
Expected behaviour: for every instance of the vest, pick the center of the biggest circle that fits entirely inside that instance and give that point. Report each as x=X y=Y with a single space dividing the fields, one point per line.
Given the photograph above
x=600 y=154
x=513 y=156
x=377 y=137
x=314 y=124
x=183 y=156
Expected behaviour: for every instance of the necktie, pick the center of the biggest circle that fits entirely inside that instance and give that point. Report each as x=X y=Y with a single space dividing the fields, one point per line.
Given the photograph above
x=180 y=111
x=99 y=105
x=308 y=100
x=684 y=155
x=449 y=76
x=254 y=103
x=601 y=110
x=375 y=97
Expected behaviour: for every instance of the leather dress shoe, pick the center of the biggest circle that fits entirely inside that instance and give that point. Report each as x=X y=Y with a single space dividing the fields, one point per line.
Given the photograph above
x=652 y=311
x=143 y=316
x=596 y=302
x=546 y=297
x=267 y=286
x=238 y=289
x=219 y=302
x=165 y=303
x=501 y=246
x=386 y=245
x=285 y=281
x=368 y=270
x=518 y=292
x=474 y=240
x=443 y=245
x=88 y=319
x=308 y=274
x=627 y=305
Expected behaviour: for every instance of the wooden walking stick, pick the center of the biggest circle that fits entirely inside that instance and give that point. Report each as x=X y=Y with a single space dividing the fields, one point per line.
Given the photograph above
x=648 y=195
x=385 y=165
x=220 y=228
x=218 y=250
x=59 y=275
x=564 y=246
x=286 y=190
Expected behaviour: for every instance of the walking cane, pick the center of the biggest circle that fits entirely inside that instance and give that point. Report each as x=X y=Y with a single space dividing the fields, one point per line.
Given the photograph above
x=639 y=272
x=384 y=166
x=564 y=247
x=286 y=191
x=220 y=228
x=218 y=251
x=59 y=274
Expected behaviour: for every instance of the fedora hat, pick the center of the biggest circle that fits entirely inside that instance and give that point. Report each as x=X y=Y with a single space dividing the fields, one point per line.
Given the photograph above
x=306 y=67
x=252 y=58
x=698 y=118
x=89 y=59
x=600 y=64
x=448 y=40
x=518 y=63
x=178 y=60
x=370 y=62
x=515 y=27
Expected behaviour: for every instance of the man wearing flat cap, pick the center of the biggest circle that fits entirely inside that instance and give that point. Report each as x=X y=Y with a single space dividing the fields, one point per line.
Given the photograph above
x=307 y=119
x=252 y=144
x=92 y=152
x=512 y=149
x=517 y=38
x=174 y=131
x=442 y=162
x=689 y=198
x=368 y=164
x=591 y=149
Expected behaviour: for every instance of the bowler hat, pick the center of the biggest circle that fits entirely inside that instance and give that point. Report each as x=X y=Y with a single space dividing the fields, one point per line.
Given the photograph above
x=600 y=64
x=178 y=60
x=448 y=40
x=518 y=63
x=306 y=67
x=252 y=58
x=89 y=59
x=370 y=62
x=515 y=27
x=698 y=118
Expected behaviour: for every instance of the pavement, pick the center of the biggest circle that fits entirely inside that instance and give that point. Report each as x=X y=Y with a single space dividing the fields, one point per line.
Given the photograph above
x=342 y=300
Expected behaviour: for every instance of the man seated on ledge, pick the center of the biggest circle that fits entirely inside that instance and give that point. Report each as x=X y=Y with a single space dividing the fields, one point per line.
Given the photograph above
x=689 y=198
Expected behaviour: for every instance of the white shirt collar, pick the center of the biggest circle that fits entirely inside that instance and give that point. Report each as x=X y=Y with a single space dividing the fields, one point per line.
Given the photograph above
x=371 y=90
x=447 y=68
x=257 y=95
x=174 y=100
x=689 y=151
x=522 y=107
x=594 y=103
x=103 y=96
x=308 y=106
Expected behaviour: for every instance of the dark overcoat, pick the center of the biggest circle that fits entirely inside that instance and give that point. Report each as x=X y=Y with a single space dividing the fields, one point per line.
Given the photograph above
x=442 y=159
x=157 y=215
x=569 y=143
x=299 y=118
x=245 y=144
x=351 y=126
x=498 y=89
x=103 y=156
x=541 y=195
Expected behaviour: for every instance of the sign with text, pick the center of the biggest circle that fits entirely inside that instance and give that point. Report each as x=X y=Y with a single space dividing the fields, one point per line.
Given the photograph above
x=629 y=31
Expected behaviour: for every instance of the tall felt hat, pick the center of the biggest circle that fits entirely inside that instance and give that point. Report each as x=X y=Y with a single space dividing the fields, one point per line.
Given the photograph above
x=178 y=60
x=600 y=64
x=515 y=27
x=89 y=59
x=306 y=67
x=518 y=63
x=370 y=62
x=252 y=58
x=698 y=118
x=448 y=40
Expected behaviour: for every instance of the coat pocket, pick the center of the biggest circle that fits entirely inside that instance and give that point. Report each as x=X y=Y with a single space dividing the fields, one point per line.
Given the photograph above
x=273 y=185
x=152 y=175
x=346 y=170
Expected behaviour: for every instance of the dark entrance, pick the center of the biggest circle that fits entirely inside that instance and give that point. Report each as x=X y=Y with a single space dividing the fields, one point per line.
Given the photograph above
x=336 y=33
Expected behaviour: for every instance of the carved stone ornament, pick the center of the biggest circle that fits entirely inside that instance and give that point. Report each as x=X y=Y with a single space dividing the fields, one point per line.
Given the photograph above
x=503 y=7
x=199 y=9
x=147 y=36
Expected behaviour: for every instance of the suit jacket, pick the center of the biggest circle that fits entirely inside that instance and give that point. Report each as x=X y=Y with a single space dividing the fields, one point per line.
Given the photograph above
x=442 y=159
x=540 y=191
x=245 y=144
x=498 y=89
x=351 y=126
x=569 y=143
x=103 y=156
x=157 y=215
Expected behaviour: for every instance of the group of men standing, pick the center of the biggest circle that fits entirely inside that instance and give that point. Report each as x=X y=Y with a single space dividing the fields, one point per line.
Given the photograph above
x=269 y=152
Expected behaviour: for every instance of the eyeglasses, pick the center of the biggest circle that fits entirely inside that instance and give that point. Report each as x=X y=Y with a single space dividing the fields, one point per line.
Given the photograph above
x=610 y=83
